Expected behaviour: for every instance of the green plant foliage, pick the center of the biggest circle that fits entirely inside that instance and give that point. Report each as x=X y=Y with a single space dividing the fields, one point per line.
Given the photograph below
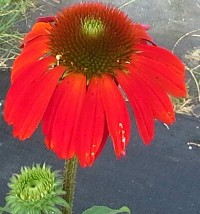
x=35 y=190
x=106 y=210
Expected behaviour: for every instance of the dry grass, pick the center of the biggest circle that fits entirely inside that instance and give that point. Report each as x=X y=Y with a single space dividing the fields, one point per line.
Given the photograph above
x=192 y=64
x=11 y=12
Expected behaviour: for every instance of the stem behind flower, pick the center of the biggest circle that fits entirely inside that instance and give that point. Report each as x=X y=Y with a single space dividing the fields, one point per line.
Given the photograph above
x=70 y=172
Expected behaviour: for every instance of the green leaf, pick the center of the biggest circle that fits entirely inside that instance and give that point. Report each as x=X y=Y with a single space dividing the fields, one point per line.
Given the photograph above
x=106 y=210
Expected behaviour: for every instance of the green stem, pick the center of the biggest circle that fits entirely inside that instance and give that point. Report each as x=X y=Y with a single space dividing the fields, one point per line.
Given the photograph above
x=70 y=172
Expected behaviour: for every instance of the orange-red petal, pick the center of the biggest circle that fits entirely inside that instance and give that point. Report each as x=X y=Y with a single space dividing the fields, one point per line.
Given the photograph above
x=156 y=97
x=162 y=75
x=30 y=74
x=91 y=124
x=30 y=54
x=163 y=56
x=142 y=111
x=38 y=29
x=40 y=93
x=62 y=114
x=104 y=139
x=116 y=112
x=29 y=96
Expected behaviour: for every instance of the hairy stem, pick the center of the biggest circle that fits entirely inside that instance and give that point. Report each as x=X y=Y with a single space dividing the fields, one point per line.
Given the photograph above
x=70 y=172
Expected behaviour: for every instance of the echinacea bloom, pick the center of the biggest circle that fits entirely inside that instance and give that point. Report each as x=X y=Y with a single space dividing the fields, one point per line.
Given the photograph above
x=69 y=77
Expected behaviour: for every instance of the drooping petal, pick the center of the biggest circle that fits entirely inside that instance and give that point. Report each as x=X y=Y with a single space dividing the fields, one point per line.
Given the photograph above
x=40 y=93
x=30 y=54
x=62 y=114
x=38 y=29
x=142 y=111
x=21 y=84
x=90 y=127
x=104 y=139
x=162 y=75
x=116 y=114
x=163 y=56
x=154 y=95
x=26 y=105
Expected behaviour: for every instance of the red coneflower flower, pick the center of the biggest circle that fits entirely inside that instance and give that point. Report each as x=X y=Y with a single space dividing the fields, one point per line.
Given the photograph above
x=68 y=77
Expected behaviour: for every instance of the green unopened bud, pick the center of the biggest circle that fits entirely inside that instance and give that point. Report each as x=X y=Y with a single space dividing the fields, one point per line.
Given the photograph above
x=35 y=190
